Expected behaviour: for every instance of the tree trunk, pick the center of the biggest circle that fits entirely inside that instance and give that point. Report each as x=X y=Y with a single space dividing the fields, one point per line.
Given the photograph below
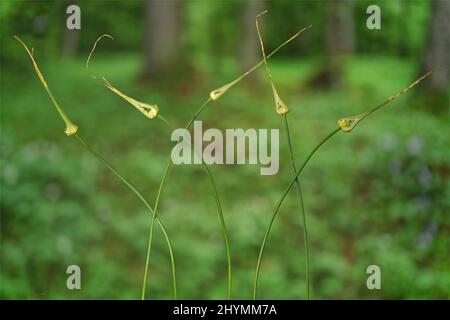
x=162 y=48
x=436 y=53
x=339 y=41
x=404 y=35
x=71 y=38
x=70 y=42
x=249 y=50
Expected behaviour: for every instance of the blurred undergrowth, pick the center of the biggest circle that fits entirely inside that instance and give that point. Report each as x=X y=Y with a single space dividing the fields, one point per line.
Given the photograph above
x=49 y=219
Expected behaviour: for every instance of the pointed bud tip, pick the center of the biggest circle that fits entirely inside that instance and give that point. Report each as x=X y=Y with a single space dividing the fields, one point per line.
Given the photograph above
x=262 y=13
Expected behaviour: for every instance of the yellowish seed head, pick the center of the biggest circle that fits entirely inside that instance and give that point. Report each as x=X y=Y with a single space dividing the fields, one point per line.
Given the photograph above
x=217 y=93
x=149 y=110
x=71 y=128
x=347 y=124
x=280 y=107
x=153 y=112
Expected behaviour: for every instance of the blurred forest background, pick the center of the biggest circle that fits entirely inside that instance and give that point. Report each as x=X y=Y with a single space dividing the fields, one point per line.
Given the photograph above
x=376 y=196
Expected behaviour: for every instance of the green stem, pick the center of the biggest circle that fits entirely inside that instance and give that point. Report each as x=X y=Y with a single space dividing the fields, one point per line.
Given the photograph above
x=280 y=202
x=224 y=230
x=219 y=208
x=218 y=203
x=152 y=226
x=302 y=206
x=139 y=195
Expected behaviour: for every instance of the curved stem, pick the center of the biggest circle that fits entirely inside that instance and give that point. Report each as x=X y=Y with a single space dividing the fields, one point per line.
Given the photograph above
x=152 y=226
x=224 y=230
x=218 y=203
x=302 y=206
x=199 y=111
x=219 y=208
x=139 y=195
x=280 y=202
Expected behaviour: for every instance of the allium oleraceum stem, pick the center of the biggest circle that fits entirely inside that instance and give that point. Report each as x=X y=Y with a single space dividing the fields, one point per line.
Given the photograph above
x=282 y=109
x=344 y=126
x=218 y=204
x=71 y=129
x=215 y=95
x=151 y=111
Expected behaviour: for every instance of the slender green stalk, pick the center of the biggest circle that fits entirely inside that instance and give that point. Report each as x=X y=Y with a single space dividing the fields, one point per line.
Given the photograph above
x=152 y=226
x=71 y=129
x=282 y=109
x=280 y=202
x=218 y=204
x=214 y=95
x=302 y=206
x=346 y=125
x=139 y=195
x=224 y=230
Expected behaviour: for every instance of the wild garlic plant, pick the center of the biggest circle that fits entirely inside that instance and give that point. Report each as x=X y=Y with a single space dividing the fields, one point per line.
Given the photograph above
x=72 y=129
x=282 y=109
x=151 y=111
x=213 y=96
x=346 y=124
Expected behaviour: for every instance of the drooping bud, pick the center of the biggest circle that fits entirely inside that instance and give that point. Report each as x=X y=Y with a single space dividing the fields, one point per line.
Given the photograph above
x=217 y=93
x=71 y=128
x=347 y=124
x=280 y=107
x=148 y=110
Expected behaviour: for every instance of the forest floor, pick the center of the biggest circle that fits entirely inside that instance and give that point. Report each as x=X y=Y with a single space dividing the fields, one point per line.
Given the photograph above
x=374 y=196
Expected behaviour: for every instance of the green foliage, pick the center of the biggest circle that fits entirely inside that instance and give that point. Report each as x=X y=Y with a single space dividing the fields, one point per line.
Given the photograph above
x=403 y=27
x=213 y=28
x=377 y=196
x=60 y=207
